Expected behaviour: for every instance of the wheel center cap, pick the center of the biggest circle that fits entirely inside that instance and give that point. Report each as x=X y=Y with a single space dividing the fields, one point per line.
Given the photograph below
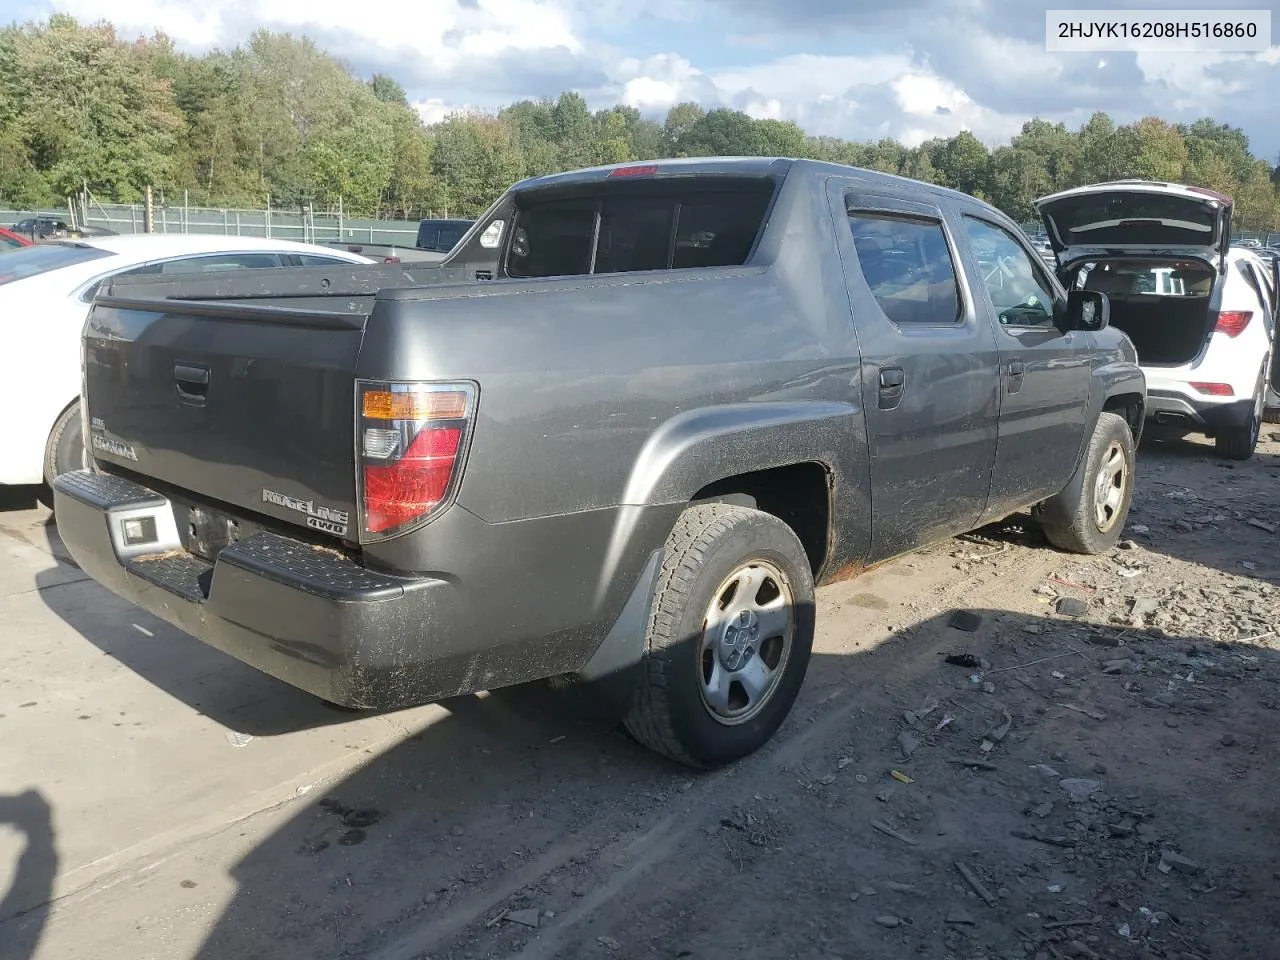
x=741 y=637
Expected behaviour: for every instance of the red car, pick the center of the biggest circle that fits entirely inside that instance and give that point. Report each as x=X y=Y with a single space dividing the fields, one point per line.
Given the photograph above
x=12 y=241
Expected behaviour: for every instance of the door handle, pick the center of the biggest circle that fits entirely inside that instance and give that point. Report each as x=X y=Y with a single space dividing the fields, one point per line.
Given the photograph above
x=1016 y=369
x=892 y=383
x=191 y=382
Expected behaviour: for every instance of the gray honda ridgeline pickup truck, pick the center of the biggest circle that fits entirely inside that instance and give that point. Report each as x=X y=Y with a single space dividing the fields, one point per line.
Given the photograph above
x=615 y=437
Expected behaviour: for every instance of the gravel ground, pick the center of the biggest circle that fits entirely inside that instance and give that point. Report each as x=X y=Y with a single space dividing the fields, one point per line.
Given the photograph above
x=1083 y=767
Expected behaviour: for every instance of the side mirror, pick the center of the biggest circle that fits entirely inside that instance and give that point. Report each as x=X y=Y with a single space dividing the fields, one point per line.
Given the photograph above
x=1087 y=310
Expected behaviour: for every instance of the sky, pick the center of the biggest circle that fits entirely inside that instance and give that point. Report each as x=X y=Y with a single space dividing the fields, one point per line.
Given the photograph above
x=858 y=69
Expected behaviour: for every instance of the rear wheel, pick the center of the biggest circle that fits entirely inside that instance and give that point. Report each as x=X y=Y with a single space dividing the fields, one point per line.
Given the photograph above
x=1088 y=515
x=64 y=452
x=1238 y=443
x=729 y=638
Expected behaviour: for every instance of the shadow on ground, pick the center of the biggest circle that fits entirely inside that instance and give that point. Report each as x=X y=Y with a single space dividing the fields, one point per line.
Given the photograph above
x=24 y=908
x=510 y=803
x=233 y=694
x=18 y=498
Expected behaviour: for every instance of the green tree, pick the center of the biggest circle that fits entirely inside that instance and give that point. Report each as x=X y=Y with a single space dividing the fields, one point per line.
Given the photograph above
x=474 y=160
x=387 y=90
x=1162 y=152
x=961 y=162
x=680 y=122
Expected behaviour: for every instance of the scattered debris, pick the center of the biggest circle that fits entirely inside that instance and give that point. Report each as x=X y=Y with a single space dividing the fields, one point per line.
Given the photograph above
x=1086 y=711
x=1078 y=789
x=908 y=743
x=965 y=620
x=1262 y=525
x=890 y=832
x=1072 y=607
x=238 y=739
x=966 y=660
x=900 y=776
x=1176 y=861
x=527 y=918
x=973 y=881
x=888 y=920
x=976 y=764
x=1001 y=730
x=1127 y=665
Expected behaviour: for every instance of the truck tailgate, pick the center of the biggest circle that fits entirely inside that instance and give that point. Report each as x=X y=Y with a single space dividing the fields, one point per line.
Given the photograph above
x=241 y=403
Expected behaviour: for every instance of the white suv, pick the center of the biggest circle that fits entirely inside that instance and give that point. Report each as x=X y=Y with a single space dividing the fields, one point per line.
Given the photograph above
x=1200 y=313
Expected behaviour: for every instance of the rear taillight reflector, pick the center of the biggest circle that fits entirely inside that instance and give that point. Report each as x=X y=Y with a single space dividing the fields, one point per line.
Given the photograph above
x=1214 y=389
x=399 y=492
x=412 y=438
x=1233 y=322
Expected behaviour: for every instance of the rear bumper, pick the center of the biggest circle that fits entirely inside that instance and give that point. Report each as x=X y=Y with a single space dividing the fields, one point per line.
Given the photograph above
x=314 y=618
x=1175 y=409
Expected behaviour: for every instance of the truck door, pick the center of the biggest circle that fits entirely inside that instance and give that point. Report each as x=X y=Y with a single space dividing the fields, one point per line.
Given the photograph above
x=929 y=368
x=1045 y=371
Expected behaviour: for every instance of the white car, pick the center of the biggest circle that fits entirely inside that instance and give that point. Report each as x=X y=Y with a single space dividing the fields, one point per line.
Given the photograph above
x=1200 y=312
x=45 y=295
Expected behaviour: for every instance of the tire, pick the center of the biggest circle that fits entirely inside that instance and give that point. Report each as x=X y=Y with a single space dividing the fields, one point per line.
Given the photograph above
x=1238 y=443
x=64 y=451
x=688 y=702
x=1083 y=518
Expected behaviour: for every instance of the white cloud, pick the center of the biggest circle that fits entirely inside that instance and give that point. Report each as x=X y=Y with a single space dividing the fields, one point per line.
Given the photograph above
x=445 y=30
x=434 y=110
x=928 y=67
x=660 y=82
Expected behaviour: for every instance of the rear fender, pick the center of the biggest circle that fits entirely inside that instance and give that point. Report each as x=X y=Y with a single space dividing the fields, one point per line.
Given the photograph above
x=698 y=447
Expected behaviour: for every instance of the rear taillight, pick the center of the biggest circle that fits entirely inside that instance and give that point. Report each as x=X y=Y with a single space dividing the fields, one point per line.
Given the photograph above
x=1214 y=389
x=412 y=438
x=1233 y=322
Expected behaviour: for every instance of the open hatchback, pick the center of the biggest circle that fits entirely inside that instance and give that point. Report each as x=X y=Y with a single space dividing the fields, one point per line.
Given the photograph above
x=1137 y=217
x=1199 y=313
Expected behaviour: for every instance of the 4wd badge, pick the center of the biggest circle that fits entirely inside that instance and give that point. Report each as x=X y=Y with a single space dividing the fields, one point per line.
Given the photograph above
x=326 y=519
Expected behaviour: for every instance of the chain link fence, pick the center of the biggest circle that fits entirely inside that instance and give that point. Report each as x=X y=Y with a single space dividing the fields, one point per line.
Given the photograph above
x=307 y=226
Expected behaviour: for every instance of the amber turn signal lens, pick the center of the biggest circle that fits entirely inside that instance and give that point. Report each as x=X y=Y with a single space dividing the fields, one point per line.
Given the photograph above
x=419 y=405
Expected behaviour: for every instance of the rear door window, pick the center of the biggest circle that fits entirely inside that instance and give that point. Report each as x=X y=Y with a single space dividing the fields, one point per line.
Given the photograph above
x=34 y=261
x=651 y=225
x=907 y=263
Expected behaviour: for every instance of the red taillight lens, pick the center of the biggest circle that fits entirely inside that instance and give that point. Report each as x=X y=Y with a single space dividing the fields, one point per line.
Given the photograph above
x=411 y=438
x=402 y=491
x=1233 y=322
x=1214 y=389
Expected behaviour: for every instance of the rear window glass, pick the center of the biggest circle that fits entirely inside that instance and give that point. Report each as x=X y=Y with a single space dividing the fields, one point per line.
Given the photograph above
x=441 y=237
x=33 y=261
x=654 y=225
x=907 y=264
x=1143 y=218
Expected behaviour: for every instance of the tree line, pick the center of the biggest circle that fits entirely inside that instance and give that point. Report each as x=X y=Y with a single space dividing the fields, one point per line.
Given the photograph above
x=277 y=118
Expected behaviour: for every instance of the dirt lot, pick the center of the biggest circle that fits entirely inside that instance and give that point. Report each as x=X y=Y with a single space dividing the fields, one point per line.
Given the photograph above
x=1101 y=782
